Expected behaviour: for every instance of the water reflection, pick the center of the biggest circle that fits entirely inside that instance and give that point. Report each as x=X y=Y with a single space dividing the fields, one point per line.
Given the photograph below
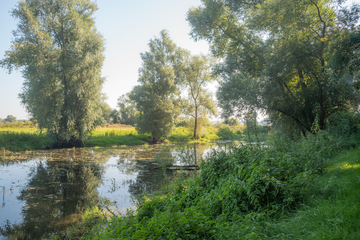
x=46 y=191
x=56 y=189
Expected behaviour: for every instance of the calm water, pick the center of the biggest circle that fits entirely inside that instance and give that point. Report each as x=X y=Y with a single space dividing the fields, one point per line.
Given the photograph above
x=43 y=191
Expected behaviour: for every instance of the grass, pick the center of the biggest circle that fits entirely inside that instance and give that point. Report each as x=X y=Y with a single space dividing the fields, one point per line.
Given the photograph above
x=335 y=213
x=111 y=140
x=25 y=136
x=23 y=140
x=116 y=135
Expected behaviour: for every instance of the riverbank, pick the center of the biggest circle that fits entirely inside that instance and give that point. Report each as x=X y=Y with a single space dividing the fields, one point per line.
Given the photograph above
x=30 y=138
x=303 y=190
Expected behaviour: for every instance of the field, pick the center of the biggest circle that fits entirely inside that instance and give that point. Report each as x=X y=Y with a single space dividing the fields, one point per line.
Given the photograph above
x=26 y=136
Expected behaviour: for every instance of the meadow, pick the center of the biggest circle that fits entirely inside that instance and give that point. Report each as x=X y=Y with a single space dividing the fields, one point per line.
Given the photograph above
x=26 y=136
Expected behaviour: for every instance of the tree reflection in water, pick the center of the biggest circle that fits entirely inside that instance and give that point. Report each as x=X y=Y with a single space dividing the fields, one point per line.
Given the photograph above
x=54 y=196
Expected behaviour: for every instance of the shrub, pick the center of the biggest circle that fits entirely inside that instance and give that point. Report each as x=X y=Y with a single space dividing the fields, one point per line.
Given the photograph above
x=226 y=133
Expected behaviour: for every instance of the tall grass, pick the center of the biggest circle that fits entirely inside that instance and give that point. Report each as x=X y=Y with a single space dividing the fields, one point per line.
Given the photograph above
x=17 y=140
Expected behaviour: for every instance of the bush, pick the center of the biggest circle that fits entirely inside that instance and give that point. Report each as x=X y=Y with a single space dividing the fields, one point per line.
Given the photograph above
x=226 y=133
x=345 y=127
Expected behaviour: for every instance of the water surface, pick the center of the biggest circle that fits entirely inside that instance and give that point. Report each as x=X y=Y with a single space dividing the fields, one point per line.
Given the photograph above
x=45 y=191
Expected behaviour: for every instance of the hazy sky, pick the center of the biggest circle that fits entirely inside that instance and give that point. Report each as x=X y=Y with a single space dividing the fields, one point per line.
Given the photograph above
x=127 y=27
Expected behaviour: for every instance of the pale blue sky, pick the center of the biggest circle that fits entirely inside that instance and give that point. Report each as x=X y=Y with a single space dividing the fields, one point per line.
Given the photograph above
x=127 y=27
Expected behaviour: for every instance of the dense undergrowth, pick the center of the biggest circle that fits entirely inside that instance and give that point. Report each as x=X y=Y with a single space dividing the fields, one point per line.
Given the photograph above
x=287 y=190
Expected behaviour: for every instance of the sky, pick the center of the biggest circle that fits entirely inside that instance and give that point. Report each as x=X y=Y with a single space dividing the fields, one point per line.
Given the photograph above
x=127 y=27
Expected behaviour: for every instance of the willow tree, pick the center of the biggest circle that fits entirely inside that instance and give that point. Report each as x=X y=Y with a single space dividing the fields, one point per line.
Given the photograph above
x=197 y=74
x=60 y=54
x=274 y=56
x=157 y=98
x=127 y=110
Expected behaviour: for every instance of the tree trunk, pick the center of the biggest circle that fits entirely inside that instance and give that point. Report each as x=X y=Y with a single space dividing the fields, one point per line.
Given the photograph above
x=195 y=127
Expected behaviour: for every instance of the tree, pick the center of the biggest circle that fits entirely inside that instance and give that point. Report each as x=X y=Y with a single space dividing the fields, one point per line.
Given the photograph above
x=105 y=113
x=274 y=58
x=157 y=96
x=10 y=118
x=199 y=102
x=60 y=54
x=232 y=122
x=127 y=109
x=114 y=116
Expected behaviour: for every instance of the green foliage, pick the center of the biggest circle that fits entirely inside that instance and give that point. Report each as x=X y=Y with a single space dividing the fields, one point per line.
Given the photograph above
x=201 y=129
x=226 y=133
x=18 y=124
x=232 y=122
x=127 y=110
x=332 y=212
x=92 y=216
x=283 y=74
x=10 y=118
x=181 y=134
x=16 y=141
x=105 y=113
x=157 y=98
x=115 y=138
x=343 y=52
x=199 y=103
x=59 y=52
x=114 y=116
x=346 y=126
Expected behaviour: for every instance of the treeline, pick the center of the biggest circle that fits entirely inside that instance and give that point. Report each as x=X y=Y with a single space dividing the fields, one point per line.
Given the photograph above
x=9 y=118
x=296 y=62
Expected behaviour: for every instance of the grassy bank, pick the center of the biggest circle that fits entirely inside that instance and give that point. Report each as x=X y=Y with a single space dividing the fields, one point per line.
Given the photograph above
x=26 y=137
x=289 y=190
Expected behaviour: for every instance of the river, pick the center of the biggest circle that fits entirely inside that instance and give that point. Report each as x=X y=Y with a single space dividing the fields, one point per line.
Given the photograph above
x=45 y=191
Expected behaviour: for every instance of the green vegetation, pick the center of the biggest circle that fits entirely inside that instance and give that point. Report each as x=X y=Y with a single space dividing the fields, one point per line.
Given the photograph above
x=26 y=136
x=117 y=137
x=288 y=190
x=60 y=54
x=289 y=74
x=157 y=98
x=127 y=110
x=199 y=102
x=19 y=140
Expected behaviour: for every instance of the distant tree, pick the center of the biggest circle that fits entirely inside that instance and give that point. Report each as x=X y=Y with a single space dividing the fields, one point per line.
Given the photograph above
x=106 y=112
x=157 y=98
x=60 y=53
x=231 y=122
x=1 y=120
x=127 y=109
x=10 y=118
x=199 y=103
x=114 y=116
